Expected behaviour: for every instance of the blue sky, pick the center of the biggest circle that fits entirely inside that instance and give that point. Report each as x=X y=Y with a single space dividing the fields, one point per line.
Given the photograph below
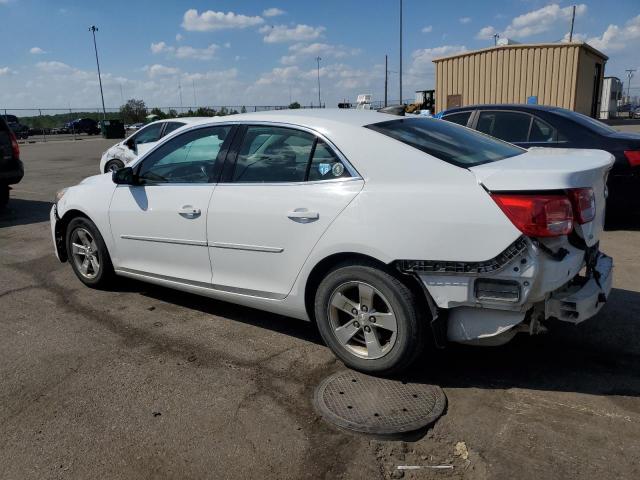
x=261 y=52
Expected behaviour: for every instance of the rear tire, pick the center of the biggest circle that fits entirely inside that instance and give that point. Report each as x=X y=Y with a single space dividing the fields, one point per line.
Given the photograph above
x=369 y=319
x=113 y=165
x=88 y=254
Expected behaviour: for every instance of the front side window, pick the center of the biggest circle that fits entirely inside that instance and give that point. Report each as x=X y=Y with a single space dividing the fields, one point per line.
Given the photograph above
x=187 y=158
x=460 y=118
x=508 y=126
x=273 y=155
x=447 y=141
x=150 y=133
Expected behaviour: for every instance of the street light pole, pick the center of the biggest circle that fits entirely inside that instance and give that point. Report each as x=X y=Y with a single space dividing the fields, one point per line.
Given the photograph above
x=386 y=79
x=319 y=100
x=630 y=72
x=93 y=29
x=400 y=52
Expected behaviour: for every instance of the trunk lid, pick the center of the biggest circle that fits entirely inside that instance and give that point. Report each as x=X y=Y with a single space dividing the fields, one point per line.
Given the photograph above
x=544 y=169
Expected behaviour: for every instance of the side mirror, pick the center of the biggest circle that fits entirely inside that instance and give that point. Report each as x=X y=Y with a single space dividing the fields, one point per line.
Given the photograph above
x=124 y=176
x=131 y=144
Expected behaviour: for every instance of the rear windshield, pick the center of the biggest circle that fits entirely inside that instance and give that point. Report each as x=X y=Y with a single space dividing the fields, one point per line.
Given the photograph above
x=447 y=141
x=588 y=122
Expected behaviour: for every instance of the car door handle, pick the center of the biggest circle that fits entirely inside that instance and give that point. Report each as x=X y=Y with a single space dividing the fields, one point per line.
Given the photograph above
x=188 y=211
x=303 y=215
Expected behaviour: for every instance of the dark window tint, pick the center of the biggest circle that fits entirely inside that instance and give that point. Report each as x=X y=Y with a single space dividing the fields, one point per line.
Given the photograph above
x=272 y=155
x=447 y=141
x=588 y=122
x=171 y=126
x=325 y=165
x=150 y=133
x=542 y=132
x=187 y=158
x=460 y=118
x=507 y=126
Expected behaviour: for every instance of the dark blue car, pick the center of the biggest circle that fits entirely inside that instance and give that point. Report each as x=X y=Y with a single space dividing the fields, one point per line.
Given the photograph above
x=541 y=126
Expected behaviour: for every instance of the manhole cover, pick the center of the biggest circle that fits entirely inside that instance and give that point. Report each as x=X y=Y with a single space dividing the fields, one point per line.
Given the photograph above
x=377 y=405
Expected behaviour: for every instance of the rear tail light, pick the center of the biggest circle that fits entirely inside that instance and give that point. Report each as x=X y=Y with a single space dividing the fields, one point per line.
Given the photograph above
x=633 y=156
x=584 y=204
x=14 y=145
x=537 y=215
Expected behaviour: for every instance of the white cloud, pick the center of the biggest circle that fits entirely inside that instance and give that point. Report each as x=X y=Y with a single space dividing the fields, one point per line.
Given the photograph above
x=283 y=33
x=6 y=71
x=179 y=37
x=227 y=45
x=273 y=12
x=427 y=29
x=209 y=20
x=465 y=20
x=54 y=67
x=541 y=20
x=299 y=51
x=577 y=37
x=185 y=51
x=36 y=51
x=617 y=38
x=486 y=33
x=422 y=59
x=157 y=70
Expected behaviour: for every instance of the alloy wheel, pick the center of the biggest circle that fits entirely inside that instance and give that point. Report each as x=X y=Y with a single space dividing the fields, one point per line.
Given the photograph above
x=362 y=320
x=85 y=253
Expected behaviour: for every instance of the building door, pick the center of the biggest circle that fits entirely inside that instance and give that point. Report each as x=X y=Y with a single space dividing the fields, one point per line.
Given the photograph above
x=595 y=99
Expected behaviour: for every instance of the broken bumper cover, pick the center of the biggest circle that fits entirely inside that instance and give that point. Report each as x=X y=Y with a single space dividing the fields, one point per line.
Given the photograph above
x=579 y=301
x=53 y=218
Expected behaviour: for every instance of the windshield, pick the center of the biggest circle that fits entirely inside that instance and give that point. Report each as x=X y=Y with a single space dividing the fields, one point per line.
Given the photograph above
x=447 y=141
x=588 y=122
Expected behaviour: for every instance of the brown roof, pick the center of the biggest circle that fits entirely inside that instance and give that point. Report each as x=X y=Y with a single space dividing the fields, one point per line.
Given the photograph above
x=527 y=45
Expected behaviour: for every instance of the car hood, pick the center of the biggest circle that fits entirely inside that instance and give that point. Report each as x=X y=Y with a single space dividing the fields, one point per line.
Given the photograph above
x=97 y=179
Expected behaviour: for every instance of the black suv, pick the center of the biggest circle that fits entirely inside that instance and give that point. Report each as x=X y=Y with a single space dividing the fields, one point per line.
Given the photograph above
x=85 y=125
x=11 y=168
x=21 y=131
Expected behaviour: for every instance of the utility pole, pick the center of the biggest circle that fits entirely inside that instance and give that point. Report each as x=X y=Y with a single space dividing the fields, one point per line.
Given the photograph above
x=180 y=94
x=93 y=29
x=496 y=36
x=386 y=79
x=400 y=52
x=630 y=72
x=319 y=101
x=121 y=95
x=573 y=19
x=195 y=100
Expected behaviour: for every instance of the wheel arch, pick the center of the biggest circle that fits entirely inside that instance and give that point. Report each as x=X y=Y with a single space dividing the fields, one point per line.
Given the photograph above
x=61 y=231
x=353 y=258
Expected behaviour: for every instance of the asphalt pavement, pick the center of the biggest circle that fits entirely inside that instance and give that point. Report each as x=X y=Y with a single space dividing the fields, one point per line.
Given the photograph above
x=145 y=382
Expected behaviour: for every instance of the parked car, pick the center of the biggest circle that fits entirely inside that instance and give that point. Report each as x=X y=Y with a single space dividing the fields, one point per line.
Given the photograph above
x=135 y=126
x=20 y=131
x=124 y=152
x=84 y=125
x=541 y=126
x=636 y=113
x=11 y=167
x=377 y=228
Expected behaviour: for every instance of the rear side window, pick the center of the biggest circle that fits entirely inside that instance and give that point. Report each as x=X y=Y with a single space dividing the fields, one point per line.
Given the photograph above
x=507 y=126
x=460 y=118
x=447 y=141
x=171 y=126
x=542 y=132
x=325 y=165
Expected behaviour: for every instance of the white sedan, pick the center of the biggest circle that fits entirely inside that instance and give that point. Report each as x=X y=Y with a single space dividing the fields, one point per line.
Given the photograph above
x=381 y=230
x=126 y=151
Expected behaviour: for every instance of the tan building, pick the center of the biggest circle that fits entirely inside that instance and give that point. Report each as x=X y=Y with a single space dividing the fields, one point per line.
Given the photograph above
x=566 y=75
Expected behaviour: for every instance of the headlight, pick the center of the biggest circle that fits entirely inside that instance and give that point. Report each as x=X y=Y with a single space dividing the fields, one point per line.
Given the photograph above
x=60 y=194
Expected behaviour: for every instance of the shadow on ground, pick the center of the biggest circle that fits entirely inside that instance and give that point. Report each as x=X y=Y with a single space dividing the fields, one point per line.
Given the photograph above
x=600 y=356
x=24 y=212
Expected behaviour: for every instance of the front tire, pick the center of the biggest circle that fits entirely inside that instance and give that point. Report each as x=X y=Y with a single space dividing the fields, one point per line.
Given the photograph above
x=113 y=165
x=369 y=319
x=88 y=254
